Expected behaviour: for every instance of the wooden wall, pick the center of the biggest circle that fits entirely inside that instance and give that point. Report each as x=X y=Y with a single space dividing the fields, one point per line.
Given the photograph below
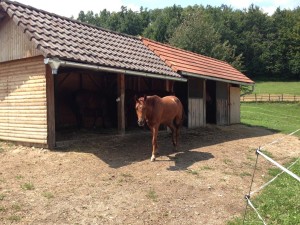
x=196 y=104
x=23 y=105
x=222 y=100
x=235 y=109
x=14 y=44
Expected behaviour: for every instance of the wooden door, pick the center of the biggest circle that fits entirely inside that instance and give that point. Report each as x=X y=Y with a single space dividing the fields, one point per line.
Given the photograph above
x=196 y=112
x=235 y=105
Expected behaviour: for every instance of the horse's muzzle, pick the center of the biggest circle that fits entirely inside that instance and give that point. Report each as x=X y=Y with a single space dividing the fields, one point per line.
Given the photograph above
x=141 y=123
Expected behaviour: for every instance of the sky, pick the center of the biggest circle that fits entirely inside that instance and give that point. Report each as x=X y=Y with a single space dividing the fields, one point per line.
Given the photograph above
x=70 y=8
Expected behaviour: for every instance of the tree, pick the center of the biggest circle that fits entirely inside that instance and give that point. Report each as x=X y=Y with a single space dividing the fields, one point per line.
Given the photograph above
x=197 y=34
x=163 y=23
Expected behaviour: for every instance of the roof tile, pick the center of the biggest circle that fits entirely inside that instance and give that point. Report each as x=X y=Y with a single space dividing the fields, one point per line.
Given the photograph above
x=184 y=61
x=68 y=39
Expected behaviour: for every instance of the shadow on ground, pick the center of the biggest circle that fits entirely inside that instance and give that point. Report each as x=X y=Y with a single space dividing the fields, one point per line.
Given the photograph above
x=121 y=150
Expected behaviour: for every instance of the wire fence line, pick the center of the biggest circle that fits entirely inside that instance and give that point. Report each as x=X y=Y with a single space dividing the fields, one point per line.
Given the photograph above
x=286 y=170
x=274 y=178
x=270 y=98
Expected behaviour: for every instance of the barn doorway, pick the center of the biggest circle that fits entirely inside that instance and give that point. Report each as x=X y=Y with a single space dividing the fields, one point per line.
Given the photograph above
x=85 y=101
x=181 y=92
x=211 y=107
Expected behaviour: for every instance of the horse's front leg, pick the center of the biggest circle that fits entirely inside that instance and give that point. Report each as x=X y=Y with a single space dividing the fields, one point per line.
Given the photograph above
x=154 y=142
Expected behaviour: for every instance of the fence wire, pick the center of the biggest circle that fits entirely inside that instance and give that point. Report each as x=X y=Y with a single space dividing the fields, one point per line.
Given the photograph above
x=274 y=178
x=258 y=152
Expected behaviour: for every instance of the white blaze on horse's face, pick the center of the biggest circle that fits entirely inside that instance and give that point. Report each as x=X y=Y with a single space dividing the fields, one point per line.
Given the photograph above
x=140 y=109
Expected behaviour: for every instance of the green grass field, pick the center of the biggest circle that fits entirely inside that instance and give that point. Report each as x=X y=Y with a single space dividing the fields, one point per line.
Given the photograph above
x=290 y=88
x=282 y=117
x=279 y=203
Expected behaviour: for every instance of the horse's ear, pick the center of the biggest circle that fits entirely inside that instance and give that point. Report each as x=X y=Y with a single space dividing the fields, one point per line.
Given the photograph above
x=135 y=98
x=145 y=97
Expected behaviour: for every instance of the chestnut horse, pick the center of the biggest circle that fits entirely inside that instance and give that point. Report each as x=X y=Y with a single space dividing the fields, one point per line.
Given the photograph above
x=156 y=111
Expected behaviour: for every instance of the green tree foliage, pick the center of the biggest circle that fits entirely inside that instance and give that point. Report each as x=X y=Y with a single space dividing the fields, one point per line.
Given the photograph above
x=199 y=34
x=286 y=56
x=163 y=23
x=260 y=45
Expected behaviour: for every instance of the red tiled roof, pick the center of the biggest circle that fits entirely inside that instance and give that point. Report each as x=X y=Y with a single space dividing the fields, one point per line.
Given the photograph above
x=67 y=39
x=191 y=63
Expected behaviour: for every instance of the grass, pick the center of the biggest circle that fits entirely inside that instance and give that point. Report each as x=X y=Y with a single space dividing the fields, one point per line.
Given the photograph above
x=151 y=194
x=292 y=88
x=2 y=196
x=193 y=172
x=14 y=218
x=27 y=186
x=245 y=174
x=279 y=203
x=283 y=117
x=19 y=177
x=47 y=195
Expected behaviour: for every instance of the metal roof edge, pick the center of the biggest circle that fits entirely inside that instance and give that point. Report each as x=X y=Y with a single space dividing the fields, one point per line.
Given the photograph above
x=215 y=78
x=55 y=64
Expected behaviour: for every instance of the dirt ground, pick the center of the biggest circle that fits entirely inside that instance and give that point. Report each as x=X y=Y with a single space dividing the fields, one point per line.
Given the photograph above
x=111 y=180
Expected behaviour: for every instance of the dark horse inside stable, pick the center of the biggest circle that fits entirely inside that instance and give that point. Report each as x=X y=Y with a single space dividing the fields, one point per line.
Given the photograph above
x=93 y=105
x=155 y=111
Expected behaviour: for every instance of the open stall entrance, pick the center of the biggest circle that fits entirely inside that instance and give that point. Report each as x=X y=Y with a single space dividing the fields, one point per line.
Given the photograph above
x=87 y=103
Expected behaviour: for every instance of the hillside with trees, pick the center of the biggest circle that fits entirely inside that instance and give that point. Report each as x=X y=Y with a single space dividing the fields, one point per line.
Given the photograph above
x=260 y=45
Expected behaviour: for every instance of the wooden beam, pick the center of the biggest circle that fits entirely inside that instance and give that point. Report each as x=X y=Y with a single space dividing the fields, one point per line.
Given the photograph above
x=121 y=103
x=50 y=108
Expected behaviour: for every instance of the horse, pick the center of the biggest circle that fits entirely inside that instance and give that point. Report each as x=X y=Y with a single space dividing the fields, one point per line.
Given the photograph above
x=131 y=95
x=155 y=111
x=90 y=104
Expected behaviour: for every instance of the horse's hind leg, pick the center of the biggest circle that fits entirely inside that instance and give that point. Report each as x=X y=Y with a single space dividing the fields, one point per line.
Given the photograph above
x=174 y=140
x=154 y=142
x=177 y=123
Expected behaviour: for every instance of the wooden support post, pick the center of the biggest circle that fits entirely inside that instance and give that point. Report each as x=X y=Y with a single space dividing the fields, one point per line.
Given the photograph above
x=204 y=102
x=50 y=108
x=168 y=85
x=121 y=103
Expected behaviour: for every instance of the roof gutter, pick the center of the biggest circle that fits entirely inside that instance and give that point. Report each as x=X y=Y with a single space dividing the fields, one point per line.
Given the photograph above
x=215 y=79
x=55 y=64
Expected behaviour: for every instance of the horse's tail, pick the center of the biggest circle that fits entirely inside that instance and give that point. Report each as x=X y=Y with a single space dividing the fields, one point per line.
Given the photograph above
x=180 y=121
x=184 y=117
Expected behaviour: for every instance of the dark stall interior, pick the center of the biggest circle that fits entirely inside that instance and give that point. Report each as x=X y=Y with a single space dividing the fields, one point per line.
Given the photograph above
x=86 y=100
x=211 y=102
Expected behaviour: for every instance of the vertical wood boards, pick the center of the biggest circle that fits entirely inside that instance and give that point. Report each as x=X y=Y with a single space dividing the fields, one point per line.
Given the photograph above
x=121 y=103
x=222 y=98
x=50 y=97
x=196 y=114
x=235 y=110
x=14 y=44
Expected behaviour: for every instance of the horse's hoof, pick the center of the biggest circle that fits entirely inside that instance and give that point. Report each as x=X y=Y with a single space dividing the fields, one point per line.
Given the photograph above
x=152 y=158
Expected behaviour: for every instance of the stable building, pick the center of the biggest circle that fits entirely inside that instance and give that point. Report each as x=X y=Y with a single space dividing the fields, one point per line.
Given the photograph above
x=46 y=60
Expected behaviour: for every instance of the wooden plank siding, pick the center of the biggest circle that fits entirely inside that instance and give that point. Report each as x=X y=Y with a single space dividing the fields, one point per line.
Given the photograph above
x=196 y=112
x=222 y=101
x=14 y=44
x=235 y=113
x=23 y=107
x=196 y=109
